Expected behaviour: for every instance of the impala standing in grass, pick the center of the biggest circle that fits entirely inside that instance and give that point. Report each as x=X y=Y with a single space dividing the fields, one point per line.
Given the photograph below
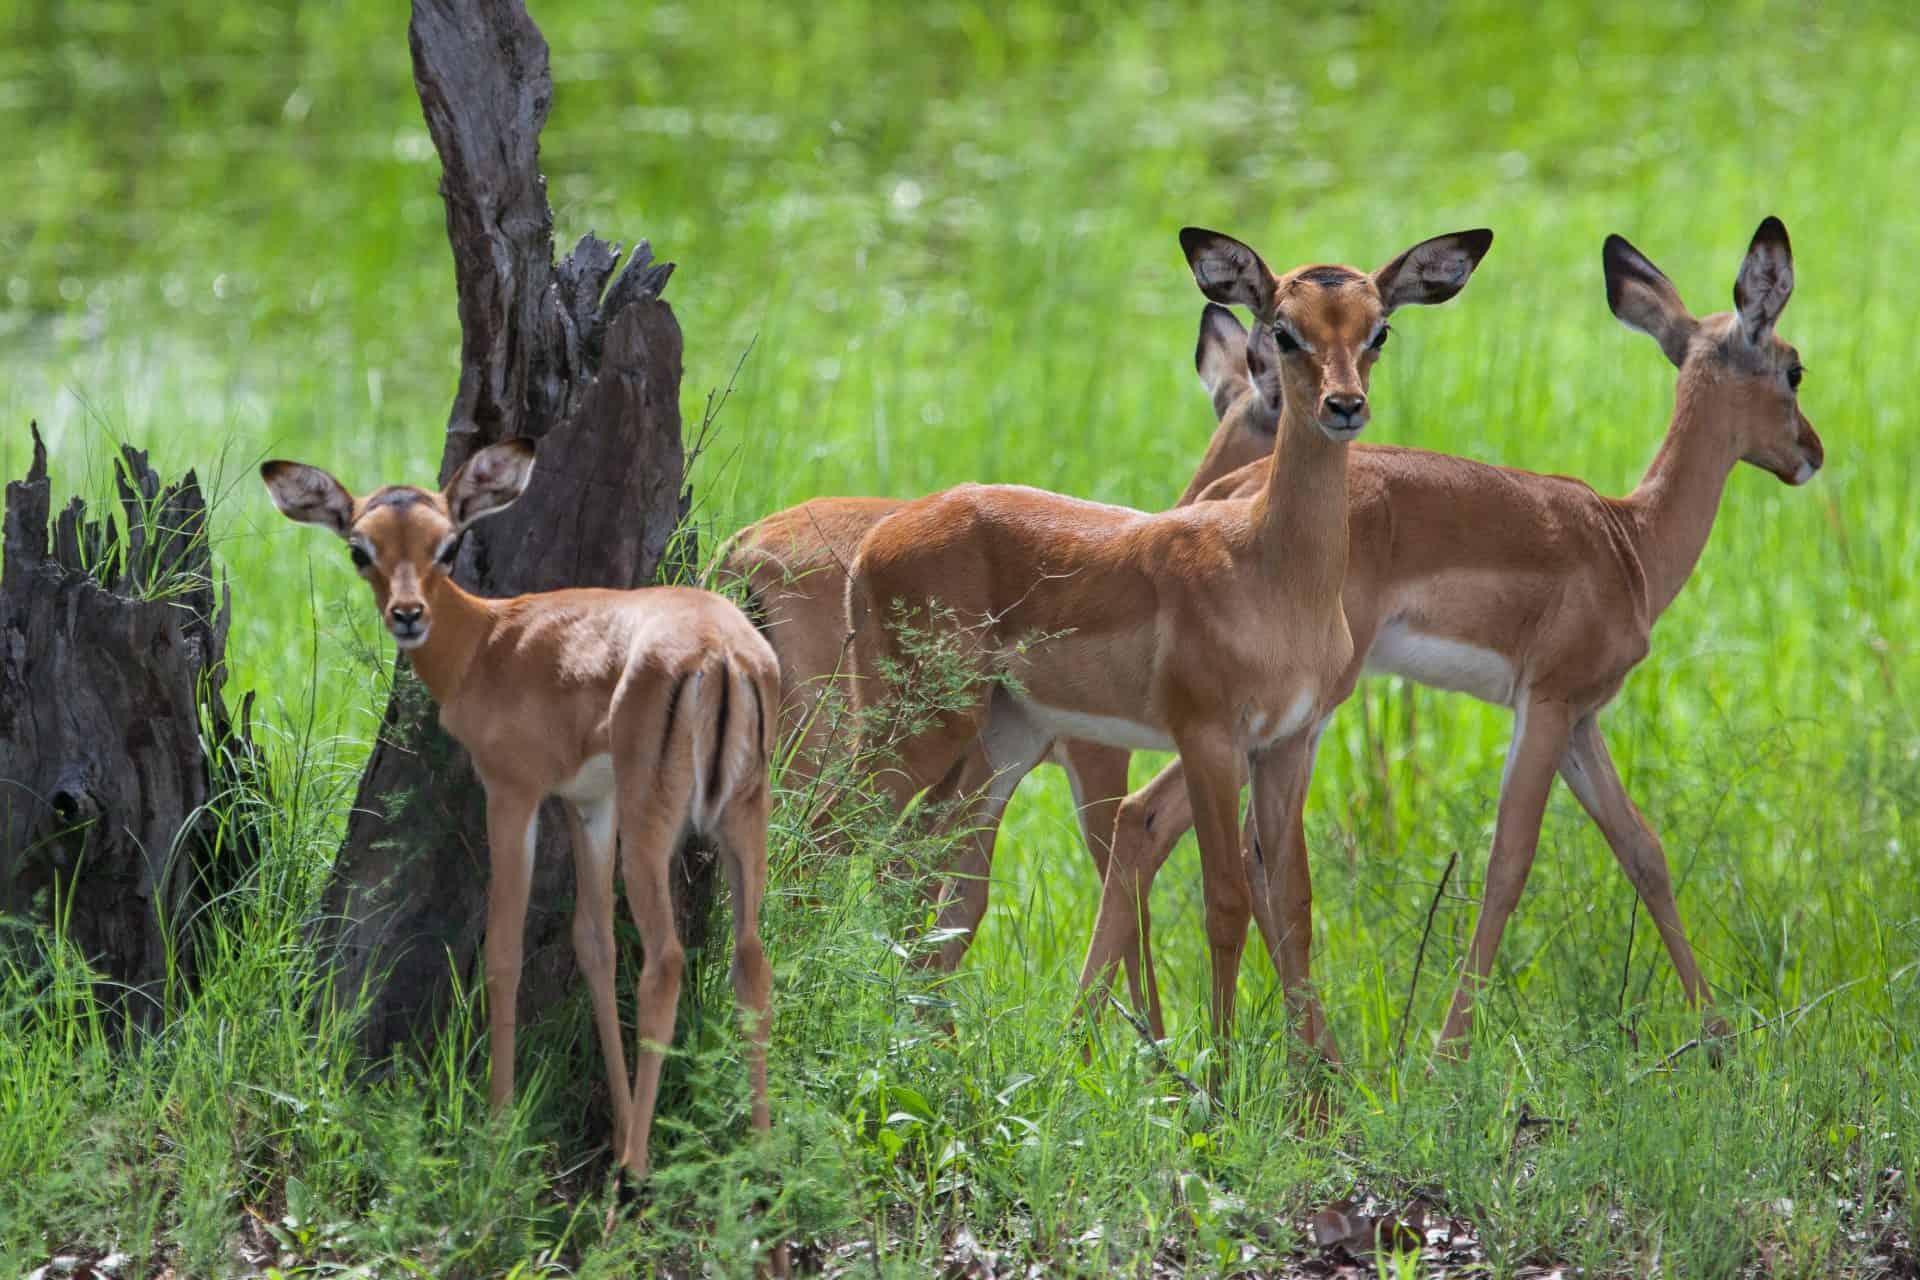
x=1215 y=629
x=1528 y=591
x=649 y=712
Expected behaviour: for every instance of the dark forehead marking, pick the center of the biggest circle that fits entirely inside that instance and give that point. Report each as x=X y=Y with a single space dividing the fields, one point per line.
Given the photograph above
x=1330 y=277
x=399 y=495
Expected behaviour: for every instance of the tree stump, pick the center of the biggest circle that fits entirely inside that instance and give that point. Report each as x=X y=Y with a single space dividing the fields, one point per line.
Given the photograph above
x=593 y=372
x=112 y=658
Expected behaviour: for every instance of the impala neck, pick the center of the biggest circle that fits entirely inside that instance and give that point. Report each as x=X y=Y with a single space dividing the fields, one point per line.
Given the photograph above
x=1675 y=504
x=1300 y=514
x=461 y=624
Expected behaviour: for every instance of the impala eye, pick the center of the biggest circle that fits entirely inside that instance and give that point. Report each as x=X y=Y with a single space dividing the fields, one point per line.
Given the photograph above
x=1286 y=340
x=360 y=558
x=1794 y=375
x=449 y=550
x=1380 y=338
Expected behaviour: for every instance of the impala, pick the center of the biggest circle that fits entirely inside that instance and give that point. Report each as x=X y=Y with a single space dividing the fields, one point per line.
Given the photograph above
x=1215 y=629
x=648 y=712
x=1527 y=591
x=793 y=566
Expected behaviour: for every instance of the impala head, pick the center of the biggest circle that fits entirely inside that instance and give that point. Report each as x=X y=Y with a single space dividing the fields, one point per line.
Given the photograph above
x=1318 y=329
x=1734 y=356
x=403 y=539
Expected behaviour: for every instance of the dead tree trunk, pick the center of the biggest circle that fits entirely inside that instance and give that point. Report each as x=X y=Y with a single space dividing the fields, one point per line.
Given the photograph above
x=549 y=351
x=113 y=735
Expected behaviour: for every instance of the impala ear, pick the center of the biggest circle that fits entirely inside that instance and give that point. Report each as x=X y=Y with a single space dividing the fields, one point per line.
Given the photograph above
x=1228 y=272
x=1263 y=366
x=489 y=481
x=308 y=495
x=1221 y=357
x=1765 y=282
x=1644 y=299
x=1433 y=270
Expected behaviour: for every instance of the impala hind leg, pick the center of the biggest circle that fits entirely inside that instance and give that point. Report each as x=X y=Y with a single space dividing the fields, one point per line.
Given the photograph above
x=593 y=832
x=1146 y=827
x=1539 y=740
x=1097 y=776
x=1276 y=852
x=1589 y=770
x=512 y=829
x=652 y=822
x=743 y=855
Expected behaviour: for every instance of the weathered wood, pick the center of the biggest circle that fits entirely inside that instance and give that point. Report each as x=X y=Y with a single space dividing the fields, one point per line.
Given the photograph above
x=112 y=652
x=550 y=351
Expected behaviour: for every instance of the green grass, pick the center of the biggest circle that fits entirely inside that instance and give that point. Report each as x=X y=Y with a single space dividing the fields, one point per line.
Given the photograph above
x=950 y=239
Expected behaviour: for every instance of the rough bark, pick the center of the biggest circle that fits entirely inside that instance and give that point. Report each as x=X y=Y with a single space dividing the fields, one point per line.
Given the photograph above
x=550 y=351
x=112 y=652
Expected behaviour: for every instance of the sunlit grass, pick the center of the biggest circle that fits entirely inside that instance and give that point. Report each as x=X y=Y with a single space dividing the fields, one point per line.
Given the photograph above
x=949 y=236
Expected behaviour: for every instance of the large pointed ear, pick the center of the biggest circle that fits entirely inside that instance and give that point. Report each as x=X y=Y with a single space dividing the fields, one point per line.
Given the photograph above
x=309 y=495
x=1765 y=282
x=1228 y=272
x=1221 y=357
x=489 y=481
x=1433 y=270
x=1644 y=299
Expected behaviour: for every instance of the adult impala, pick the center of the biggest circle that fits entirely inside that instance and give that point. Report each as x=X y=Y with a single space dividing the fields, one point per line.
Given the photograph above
x=1528 y=591
x=793 y=566
x=1215 y=629
x=649 y=712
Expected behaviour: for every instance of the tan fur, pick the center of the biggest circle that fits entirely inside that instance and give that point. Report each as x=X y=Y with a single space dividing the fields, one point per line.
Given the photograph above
x=1134 y=627
x=1563 y=584
x=673 y=686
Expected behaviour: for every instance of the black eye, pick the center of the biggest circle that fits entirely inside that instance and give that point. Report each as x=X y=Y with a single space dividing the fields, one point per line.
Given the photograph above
x=1286 y=340
x=1380 y=338
x=360 y=558
x=1794 y=375
x=450 y=551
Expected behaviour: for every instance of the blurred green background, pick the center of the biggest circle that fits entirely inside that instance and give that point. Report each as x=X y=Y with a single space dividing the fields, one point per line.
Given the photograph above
x=947 y=231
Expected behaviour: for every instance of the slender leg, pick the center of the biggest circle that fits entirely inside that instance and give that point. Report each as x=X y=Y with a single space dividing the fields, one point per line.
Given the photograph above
x=650 y=828
x=1590 y=773
x=1097 y=776
x=1146 y=828
x=1539 y=740
x=512 y=827
x=1214 y=773
x=1278 y=853
x=1006 y=753
x=593 y=832
x=743 y=851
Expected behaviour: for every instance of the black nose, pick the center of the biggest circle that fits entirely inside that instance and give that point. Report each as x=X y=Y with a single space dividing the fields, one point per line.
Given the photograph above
x=406 y=615
x=1343 y=405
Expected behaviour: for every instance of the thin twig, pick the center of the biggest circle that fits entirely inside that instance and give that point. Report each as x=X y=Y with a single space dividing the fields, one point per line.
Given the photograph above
x=1419 y=957
x=1794 y=1012
x=1139 y=1024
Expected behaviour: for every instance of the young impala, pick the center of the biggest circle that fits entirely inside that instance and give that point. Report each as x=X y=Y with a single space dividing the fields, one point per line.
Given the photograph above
x=649 y=712
x=1215 y=629
x=792 y=566
x=1528 y=591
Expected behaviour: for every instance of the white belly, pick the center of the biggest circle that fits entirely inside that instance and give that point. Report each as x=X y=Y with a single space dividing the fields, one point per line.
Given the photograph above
x=1110 y=730
x=1442 y=663
x=1263 y=729
x=592 y=784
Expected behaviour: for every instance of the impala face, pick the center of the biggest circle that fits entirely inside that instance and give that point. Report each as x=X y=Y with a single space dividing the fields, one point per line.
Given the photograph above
x=403 y=539
x=1738 y=347
x=1319 y=329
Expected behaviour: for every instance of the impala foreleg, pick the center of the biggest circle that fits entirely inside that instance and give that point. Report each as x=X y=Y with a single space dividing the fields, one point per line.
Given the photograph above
x=1539 y=740
x=1590 y=773
x=512 y=829
x=1277 y=865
